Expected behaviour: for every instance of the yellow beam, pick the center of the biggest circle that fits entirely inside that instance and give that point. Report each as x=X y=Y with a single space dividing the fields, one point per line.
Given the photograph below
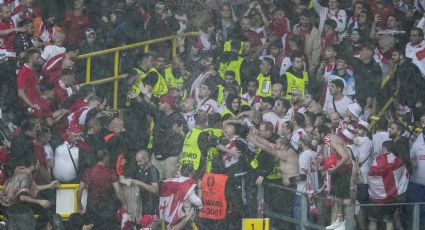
x=116 y=66
x=135 y=45
x=88 y=67
x=103 y=81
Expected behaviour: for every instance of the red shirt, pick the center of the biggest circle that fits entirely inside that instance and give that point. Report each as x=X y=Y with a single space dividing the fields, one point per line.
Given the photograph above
x=28 y=81
x=75 y=27
x=7 y=42
x=60 y=94
x=254 y=38
x=36 y=12
x=78 y=104
x=45 y=110
x=99 y=179
x=385 y=12
x=279 y=27
x=52 y=70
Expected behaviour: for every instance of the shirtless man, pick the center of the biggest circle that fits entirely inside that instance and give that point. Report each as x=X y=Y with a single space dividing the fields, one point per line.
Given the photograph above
x=283 y=152
x=337 y=163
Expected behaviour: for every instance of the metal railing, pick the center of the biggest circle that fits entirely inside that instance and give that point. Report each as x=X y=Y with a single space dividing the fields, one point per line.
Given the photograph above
x=350 y=220
x=116 y=51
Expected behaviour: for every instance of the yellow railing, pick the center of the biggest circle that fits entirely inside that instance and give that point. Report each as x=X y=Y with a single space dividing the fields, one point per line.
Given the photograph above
x=116 y=51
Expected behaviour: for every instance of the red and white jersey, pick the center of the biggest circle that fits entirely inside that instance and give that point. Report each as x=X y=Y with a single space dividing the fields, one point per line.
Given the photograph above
x=228 y=159
x=52 y=69
x=7 y=42
x=209 y=106
x=173 y=192
x=417 y=54
x=388 y=177
x=189 y=117
x=254 y=101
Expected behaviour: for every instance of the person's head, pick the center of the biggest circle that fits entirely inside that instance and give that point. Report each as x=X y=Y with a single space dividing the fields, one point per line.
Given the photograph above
x=320 y=132
x=298 y=120
x=304 y=143
x=277 y=90
x=143 y=159
x=233 y=102
x=358 y=7
x=282 y=143
x=397 y=56
x=159 y=63
x=74 y=134
x=366 y=54
x=363 y=18
x=335 y=120
x=178 y=62
x=32 y=57
x=226 y=11
x=102 y=155
x=266 y=129
x=287 y=129
x=5 y=12
x=355 y=36
x=166 y=103
x=336 y=87
x=416 y=35
x=205 y=91
x=354 y=110
x=245 y=24
x=207 y=62
x=116 y=126
x=329 y=26
x=201 y=119
x=30 y=127
x=160 y=8
x=281 y=106
x=275 y=48
x=391 y=22
x=47 y=89
x=59 y=37
x=296 y=97
x=305 y=18
x=278 y=14
x=388 y=146
x=229 y=77
x=362 y=128
x=267 y=103
x=382 y=125
x=229 y=131
x=145 y=61
x=396 y=130
x=340 y=63
x=68 y=77
x=44 y=136
x=93 y=125
x=78 y=4
x=94 y=102
x=333 y=4
x=266 y=65
x=297 y=60
x=252 y=87
x=310 y=118
x=330 y=53
x=68 y=62
x=90 y=36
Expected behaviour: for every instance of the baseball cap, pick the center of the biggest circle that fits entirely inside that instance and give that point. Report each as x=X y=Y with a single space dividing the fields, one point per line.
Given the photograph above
x=355 y=109
x=363 y=125
x=74 y=128
x=168 y=99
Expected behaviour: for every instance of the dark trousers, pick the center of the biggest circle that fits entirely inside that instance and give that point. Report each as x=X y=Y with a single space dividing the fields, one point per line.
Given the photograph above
x=102 y=214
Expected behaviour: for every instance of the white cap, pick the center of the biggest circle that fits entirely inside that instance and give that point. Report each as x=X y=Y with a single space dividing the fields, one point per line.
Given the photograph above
x=363 y=124
x=355 y=109
x=348 y=134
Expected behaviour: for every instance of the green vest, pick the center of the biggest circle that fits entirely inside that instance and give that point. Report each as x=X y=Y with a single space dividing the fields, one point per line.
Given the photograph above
x=160 y=88
x=227 y=46
x=135 y=87
x=254 y=163
x=294 y=82
x=191 y=153
x=276 y=173
x=212 y=152
x=172 y=82
x=220 y=95
x=264 y=85
x=234 y=66
x=227 y=111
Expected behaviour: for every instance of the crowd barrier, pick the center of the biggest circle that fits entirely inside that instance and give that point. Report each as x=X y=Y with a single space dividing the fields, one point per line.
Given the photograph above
x=350 y=223
x=116 y=51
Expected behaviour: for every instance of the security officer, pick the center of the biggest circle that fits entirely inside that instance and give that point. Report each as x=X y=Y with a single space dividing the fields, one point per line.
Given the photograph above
x=266 y=78
x=295 y=77
x=231 y=61
x=176 y=74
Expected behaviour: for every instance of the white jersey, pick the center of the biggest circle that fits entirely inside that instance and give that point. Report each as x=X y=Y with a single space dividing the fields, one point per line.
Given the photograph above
x=417 y=153
x=377 y=140
x=340 y=106
x=63 y=169
x=208 y=106
x=307 y=167
x=296 y=135
x=189 y=117
x=365 y=157
x=273 y=118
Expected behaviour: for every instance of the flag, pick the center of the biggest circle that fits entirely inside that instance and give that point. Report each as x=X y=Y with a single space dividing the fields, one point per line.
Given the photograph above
x=173 y=192
x=387 y=178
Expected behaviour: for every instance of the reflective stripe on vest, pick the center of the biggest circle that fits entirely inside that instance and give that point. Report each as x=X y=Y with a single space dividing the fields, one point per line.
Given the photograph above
x=235 y=66
x=214 y=205
x=264 y=85
x=212 y=151
x=294 y=82
x=220 y=95
x=170 y=80
x=254 y=163
x=191 y=153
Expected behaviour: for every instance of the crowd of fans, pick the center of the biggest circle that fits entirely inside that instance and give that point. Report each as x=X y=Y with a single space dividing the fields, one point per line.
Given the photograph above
x=269 y=92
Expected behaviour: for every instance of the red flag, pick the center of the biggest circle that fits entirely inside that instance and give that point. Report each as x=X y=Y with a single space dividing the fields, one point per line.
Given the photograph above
x=172 y=194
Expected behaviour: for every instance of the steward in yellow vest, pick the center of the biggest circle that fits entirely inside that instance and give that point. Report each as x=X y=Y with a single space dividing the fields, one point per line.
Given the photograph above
x=295 y=78
x=233 y=105
x=266 y=78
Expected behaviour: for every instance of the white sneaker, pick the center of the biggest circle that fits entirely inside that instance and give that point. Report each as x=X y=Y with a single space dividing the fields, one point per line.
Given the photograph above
x=338 y=223
x=341 y=227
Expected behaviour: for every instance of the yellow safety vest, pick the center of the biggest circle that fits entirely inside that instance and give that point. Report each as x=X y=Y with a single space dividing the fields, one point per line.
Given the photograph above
x=227 y=111
x=191 y=153
x=160 y=88
x=135 y=87
x=234 y=66
x=172 y=82
x=294 y=82
x=276 y=173
x=254 y=163
x=220 y=95
x=227 y=46
x=212 y=152
x=264 y=85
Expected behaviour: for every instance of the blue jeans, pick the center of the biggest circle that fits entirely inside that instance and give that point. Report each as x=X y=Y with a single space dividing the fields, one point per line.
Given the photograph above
x=297 y=211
